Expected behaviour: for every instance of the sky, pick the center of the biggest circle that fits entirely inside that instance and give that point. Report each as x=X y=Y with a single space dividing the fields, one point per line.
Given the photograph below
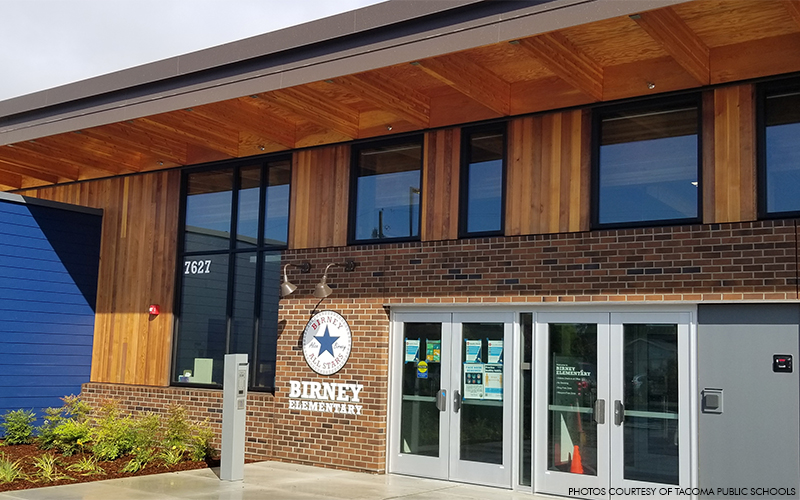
x=47 y=43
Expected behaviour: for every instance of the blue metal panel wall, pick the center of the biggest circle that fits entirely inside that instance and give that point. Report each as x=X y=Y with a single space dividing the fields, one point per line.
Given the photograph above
x=48 y=286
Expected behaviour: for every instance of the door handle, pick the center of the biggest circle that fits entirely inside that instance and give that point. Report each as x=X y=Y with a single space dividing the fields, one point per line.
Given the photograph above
x=619 y=412
x=456 y=401
x=441 y=400
x=599 y=413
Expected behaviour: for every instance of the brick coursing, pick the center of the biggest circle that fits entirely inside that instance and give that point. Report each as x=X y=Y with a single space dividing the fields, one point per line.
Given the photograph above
x=739 y=261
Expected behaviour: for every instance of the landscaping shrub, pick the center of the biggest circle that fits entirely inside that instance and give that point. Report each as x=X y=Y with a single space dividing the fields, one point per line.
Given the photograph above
x=10 y=471
x=18 y=427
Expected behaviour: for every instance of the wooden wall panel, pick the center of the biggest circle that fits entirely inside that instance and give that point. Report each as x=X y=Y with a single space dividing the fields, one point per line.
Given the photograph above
x=440 y=185
x=137 y=268
x=548 y=174
x=729 y=158
x=320 y=190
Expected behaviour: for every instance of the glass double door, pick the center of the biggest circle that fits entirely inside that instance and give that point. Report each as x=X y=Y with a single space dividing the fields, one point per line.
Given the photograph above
x=451 y=413
x=611 y=404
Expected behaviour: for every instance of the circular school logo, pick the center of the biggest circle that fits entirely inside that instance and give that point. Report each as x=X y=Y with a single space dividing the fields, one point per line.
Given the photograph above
x=326 y=342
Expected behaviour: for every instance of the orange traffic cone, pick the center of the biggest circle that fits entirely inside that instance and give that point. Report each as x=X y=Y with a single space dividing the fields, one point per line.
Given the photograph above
x=576 y=467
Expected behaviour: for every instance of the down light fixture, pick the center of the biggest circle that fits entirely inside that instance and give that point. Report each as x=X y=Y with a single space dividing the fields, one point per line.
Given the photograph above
x=287 y=287
x=322 y=289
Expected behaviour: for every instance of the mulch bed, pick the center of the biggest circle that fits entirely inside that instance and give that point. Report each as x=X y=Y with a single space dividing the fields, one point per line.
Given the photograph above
x=26 y=453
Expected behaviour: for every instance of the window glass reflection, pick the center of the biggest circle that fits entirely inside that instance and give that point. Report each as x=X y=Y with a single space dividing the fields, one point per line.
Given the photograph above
x=782 y=119
x=484 y=193
x=388 y=192
x=276 y=219
x=648 y=165
x=247 y=216
x=208 y=211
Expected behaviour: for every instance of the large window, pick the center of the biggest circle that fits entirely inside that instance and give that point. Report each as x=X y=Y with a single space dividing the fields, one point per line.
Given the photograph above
x=647 y=164
x=482 y=181
x=235 y=224
x=779 y=150
x=386 y=193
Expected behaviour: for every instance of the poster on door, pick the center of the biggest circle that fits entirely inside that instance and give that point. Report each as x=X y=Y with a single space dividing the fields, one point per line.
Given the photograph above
x=495 y=351
x=572 y=381
x=473 y=381
x=433 y=351
x=473 y=351
x=412 y=350
x=493 y=381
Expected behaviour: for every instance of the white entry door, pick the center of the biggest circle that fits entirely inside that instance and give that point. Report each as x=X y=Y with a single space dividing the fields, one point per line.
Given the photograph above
x=451 y=406
x=612 y=404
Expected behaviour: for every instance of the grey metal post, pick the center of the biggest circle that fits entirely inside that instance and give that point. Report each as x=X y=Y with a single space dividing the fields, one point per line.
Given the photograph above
x=234 y=410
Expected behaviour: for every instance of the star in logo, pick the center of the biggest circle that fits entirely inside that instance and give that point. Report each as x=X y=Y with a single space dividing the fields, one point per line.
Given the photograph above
x=326 y=342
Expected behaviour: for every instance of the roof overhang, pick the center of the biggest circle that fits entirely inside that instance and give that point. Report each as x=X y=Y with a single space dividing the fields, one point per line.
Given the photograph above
x=348 y=77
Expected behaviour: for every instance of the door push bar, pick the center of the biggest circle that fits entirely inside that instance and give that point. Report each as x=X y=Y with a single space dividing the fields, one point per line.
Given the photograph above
x=441 y=400
x=619 y=412
x=456 y=401
x=599 y=413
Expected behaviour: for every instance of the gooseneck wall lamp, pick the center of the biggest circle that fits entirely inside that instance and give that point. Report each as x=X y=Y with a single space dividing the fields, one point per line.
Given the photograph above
x=322 y=289
x=287 y=287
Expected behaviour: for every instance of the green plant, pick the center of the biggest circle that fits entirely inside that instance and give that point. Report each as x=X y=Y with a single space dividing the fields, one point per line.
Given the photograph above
x=112 y=435
x=171 y=456
x=177 y=428
x=47 y=468
x=87 y=466
x=201 y=448
x=71 y=436
x=10 y=471
x=141 y=457
x=73 y=410
x=18 y=426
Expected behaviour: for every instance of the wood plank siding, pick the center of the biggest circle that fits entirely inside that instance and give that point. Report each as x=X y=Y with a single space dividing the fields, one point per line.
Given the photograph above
x=319 y=203
x=549 y=174
x=440 y=184
x=137 y=268
x=729 y=156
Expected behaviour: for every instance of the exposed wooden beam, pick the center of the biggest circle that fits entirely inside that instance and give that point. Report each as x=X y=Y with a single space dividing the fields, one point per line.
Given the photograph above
x=193 y=129
x=104 y=155
x=667 y=28
x=243 y=115
x=316 y=108
x=793 y=7
x=47 y=148
x=16 y=168
x=10 y=179
x=560 y=56
x=471 y=79
x=33 y=161
x=401 y=100
x=140 y=140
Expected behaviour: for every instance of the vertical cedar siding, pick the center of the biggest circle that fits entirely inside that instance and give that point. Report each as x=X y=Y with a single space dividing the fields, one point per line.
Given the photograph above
x=319 y=199
x=440 y=184
x=729 y=154
x=137 y=268
x=549 y=173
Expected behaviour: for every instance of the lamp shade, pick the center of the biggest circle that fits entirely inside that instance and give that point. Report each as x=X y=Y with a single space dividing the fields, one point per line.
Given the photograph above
x=287 y=288
x=322 y=290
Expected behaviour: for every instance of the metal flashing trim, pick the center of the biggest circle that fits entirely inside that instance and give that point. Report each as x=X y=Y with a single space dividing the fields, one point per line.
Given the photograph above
x=26 y=200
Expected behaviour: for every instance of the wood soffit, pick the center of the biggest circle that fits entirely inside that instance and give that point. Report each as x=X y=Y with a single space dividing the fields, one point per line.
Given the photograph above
x=685 y=46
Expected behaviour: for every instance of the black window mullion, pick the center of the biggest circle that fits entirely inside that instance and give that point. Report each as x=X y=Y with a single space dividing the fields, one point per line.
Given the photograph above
x=259 y=271
x=232 y=257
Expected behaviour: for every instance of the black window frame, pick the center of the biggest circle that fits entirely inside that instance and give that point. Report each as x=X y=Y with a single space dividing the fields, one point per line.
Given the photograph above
x=355 y=168
x=763 y=91
x=262 y=250
x=600 y=112
x=466 y=161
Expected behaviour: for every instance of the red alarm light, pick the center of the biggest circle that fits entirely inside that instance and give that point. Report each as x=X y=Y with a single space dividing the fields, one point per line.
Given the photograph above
x=155 y=310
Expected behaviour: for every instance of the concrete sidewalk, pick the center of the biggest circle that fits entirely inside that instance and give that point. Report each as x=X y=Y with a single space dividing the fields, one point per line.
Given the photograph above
x=269 y=480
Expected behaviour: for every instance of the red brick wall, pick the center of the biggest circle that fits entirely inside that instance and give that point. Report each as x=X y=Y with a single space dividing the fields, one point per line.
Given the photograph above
x=740 y=261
